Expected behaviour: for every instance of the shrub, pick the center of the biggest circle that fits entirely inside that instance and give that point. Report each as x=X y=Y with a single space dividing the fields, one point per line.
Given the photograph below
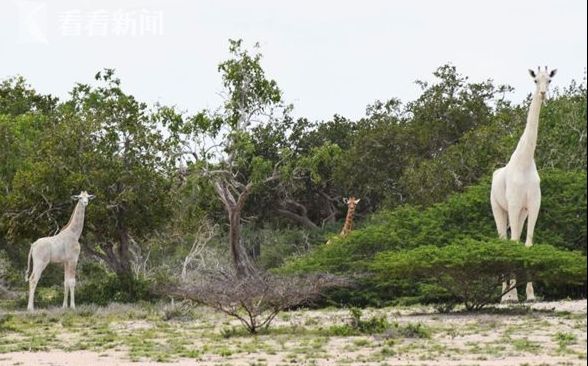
x=473 y=271
x=468 y=215
x=99 y=286
x=256 y=299
x=5 y=292
x=377 y=325
x=270 y=246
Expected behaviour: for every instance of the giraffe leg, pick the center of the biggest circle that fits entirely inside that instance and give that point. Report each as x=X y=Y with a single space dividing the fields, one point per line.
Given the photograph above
x=534 y=205
x=71 y=283
x=514 y=219
x=501 y=220
x=38 y=268
x=65 y=287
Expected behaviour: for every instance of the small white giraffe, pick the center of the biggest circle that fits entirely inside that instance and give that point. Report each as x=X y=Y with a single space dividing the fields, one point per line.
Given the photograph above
x=61 y=248
x=516 y=193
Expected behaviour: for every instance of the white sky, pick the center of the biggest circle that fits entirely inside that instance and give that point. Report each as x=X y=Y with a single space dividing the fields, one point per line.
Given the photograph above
x=327 y=56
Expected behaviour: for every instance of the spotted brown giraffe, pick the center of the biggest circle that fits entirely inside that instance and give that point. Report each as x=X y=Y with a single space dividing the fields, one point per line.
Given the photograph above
x=348 y=225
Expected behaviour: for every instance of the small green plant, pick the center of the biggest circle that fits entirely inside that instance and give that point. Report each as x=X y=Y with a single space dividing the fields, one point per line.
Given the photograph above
x=357 y=325
x=232 y=332
x=388 y=352
x=412 y=330
x=373 y=325
x=4 y=320
x=181 y=311
x=525 y=345
x=564 y=339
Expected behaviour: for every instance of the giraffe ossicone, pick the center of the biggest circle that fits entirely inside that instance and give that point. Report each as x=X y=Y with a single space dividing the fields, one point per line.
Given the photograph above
x=61 y=248
x=516 y=194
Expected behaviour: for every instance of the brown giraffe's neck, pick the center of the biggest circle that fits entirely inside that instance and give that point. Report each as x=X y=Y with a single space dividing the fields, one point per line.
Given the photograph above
x=348 y=221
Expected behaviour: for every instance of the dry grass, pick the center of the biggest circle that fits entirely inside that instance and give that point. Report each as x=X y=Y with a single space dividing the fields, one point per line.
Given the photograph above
x=544 y=334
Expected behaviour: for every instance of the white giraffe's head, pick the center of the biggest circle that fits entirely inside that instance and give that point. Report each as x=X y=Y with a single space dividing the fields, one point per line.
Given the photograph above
x=542 y=79
x=83 y=197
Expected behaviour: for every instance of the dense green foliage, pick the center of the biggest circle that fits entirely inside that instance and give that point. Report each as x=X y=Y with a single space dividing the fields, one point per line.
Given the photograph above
x=271 y=184
x=463 y=216
x=473 y=271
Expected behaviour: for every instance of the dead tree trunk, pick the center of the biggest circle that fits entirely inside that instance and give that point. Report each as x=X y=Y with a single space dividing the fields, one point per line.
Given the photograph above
x=238 y=252
x=233 y=206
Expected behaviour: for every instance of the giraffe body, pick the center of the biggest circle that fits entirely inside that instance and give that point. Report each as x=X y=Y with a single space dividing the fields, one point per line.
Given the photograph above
x=516 y=194
x=61 y=248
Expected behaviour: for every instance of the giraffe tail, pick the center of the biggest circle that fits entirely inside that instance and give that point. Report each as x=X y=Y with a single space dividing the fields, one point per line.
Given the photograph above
x=28 y=265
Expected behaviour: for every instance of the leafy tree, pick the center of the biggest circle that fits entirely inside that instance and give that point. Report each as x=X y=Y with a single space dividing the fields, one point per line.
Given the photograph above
x=24 y=116
x=462 y=216
x=477 y=154
x=473 y=271
x=18 y=98
x=383 y=140
x=104 y=141
x=449 y=108
x=232 y=166
x=562 y=137
x=561 y=145
x=308 y=193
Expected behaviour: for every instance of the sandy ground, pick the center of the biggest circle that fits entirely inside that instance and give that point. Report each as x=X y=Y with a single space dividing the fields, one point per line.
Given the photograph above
x=486 y=339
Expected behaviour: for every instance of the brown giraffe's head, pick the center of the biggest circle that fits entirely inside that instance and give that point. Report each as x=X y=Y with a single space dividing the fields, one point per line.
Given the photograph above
x=351 y=202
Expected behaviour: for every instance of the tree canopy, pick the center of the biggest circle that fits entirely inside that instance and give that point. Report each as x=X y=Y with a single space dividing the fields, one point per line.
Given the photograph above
x=272 y=184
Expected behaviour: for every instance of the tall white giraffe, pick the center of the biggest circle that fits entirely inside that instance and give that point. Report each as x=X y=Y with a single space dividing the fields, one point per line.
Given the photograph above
x=516 y=192
x=61 y=248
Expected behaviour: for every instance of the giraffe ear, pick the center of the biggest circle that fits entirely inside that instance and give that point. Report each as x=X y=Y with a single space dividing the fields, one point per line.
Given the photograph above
x=357 y=200
x=345 y=200
x=91 y=197
x=552 y=73
x=75 y=197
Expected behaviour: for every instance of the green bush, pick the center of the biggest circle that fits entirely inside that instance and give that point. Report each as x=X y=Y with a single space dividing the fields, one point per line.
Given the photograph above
x=473 y=271
x=270 y=246
x=468 y=215
x=377 y=325
x=99 y=286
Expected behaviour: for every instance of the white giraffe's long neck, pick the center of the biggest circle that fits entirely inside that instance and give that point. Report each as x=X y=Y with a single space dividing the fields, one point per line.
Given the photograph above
x=76 y=222
x=525 y=151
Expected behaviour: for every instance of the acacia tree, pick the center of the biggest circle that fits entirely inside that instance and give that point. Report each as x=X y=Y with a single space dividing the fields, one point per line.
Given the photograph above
x=226 y=155
x=104 y=141
x=24 y=117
